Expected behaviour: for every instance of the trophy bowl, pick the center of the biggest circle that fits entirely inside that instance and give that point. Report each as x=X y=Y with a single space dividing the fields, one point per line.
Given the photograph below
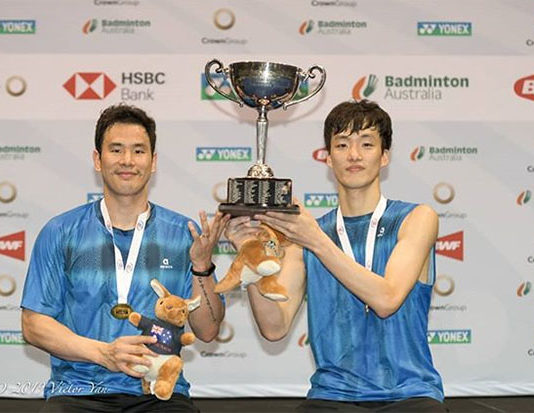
x=263 y=86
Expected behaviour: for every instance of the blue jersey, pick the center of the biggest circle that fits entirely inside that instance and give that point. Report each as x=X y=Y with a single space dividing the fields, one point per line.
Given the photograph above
x=71 y=278
x=360 y=356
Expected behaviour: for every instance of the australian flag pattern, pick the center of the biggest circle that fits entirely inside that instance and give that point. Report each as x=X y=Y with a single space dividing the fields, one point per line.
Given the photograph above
x=168 y=335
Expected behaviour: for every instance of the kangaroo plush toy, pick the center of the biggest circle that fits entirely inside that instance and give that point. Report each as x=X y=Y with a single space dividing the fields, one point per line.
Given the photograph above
x=258 y=260
x=171 y=315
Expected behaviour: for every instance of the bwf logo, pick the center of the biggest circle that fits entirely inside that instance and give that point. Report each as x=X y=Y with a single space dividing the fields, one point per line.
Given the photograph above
x=12 y=245
x=451 y=246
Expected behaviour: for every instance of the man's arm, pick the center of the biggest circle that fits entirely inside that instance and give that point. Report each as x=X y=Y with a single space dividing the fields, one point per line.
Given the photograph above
x=48 y=334
x=273 y=318
x=206 y=319
x=407 y=263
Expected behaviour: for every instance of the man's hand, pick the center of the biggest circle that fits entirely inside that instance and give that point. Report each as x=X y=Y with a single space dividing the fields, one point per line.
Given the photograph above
x=203 y=244
x=302 y=229
x=241 y=229
x=125 y=352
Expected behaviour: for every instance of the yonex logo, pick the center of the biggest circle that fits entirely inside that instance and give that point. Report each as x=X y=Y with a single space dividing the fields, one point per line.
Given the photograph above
x=224 y=248
x=17 y=26
x=449 y=336
x=444 y=29
x=321 y=200
x=89 y=85
x=224 y=154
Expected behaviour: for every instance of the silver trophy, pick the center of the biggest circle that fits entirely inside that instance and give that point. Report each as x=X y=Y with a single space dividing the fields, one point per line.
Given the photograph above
x=263 y=86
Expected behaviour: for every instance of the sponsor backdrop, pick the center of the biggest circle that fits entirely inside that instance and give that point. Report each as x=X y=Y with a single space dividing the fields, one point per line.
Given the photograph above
x=457 y=79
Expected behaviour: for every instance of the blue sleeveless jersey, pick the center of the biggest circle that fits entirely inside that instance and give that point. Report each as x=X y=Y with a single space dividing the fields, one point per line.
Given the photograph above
x=71 y=278
x=360 y=356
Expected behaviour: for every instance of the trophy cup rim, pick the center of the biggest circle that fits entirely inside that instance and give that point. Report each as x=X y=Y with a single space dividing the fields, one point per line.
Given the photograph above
x=261 y=63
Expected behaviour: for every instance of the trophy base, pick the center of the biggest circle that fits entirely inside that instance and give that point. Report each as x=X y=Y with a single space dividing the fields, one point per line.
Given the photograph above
x=237 y=210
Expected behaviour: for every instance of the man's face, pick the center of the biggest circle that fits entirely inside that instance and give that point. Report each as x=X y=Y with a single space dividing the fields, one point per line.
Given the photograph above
x=356 y=158
x=126 y=162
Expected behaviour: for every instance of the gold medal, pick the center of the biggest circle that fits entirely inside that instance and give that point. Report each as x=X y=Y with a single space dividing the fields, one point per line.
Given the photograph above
x=121 y=311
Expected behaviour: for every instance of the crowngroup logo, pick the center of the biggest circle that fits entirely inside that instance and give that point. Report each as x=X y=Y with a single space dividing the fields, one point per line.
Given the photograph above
x=444 y=29
x=115 y=26
x=333 y=3
x=524 y=197
x=524 y=87
x=331 y=27
x=430 y=87
x=443 y=153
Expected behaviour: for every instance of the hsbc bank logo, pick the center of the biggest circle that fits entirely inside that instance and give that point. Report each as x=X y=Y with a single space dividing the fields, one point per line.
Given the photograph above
x=524 y=87
x=13 y=245
x=89 y=85
x=451 y=246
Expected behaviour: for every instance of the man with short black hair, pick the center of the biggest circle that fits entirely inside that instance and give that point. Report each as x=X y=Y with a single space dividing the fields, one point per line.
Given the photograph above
x=91 y=266
x=367 y=269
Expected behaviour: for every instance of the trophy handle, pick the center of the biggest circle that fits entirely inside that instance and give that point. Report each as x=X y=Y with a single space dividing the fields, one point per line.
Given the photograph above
x=309 y=74
x=220 y=69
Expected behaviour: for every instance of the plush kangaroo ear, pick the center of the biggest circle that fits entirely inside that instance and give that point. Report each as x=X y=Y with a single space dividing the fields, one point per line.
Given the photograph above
x=160 y=290
x=193 y=304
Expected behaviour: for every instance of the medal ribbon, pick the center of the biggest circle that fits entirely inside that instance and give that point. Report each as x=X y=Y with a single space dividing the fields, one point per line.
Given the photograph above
x=124 y=274
x=371 y=233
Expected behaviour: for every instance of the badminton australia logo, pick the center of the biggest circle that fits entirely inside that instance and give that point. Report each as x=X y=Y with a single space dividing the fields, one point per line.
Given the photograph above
x=364 y=87
x=449 y=336
x=524 y=197
x=524 y=288
x=223 y=154
x=442 y=153
x=444 y=29
x=321 y=200
x=115 y=26
x=331 y=27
